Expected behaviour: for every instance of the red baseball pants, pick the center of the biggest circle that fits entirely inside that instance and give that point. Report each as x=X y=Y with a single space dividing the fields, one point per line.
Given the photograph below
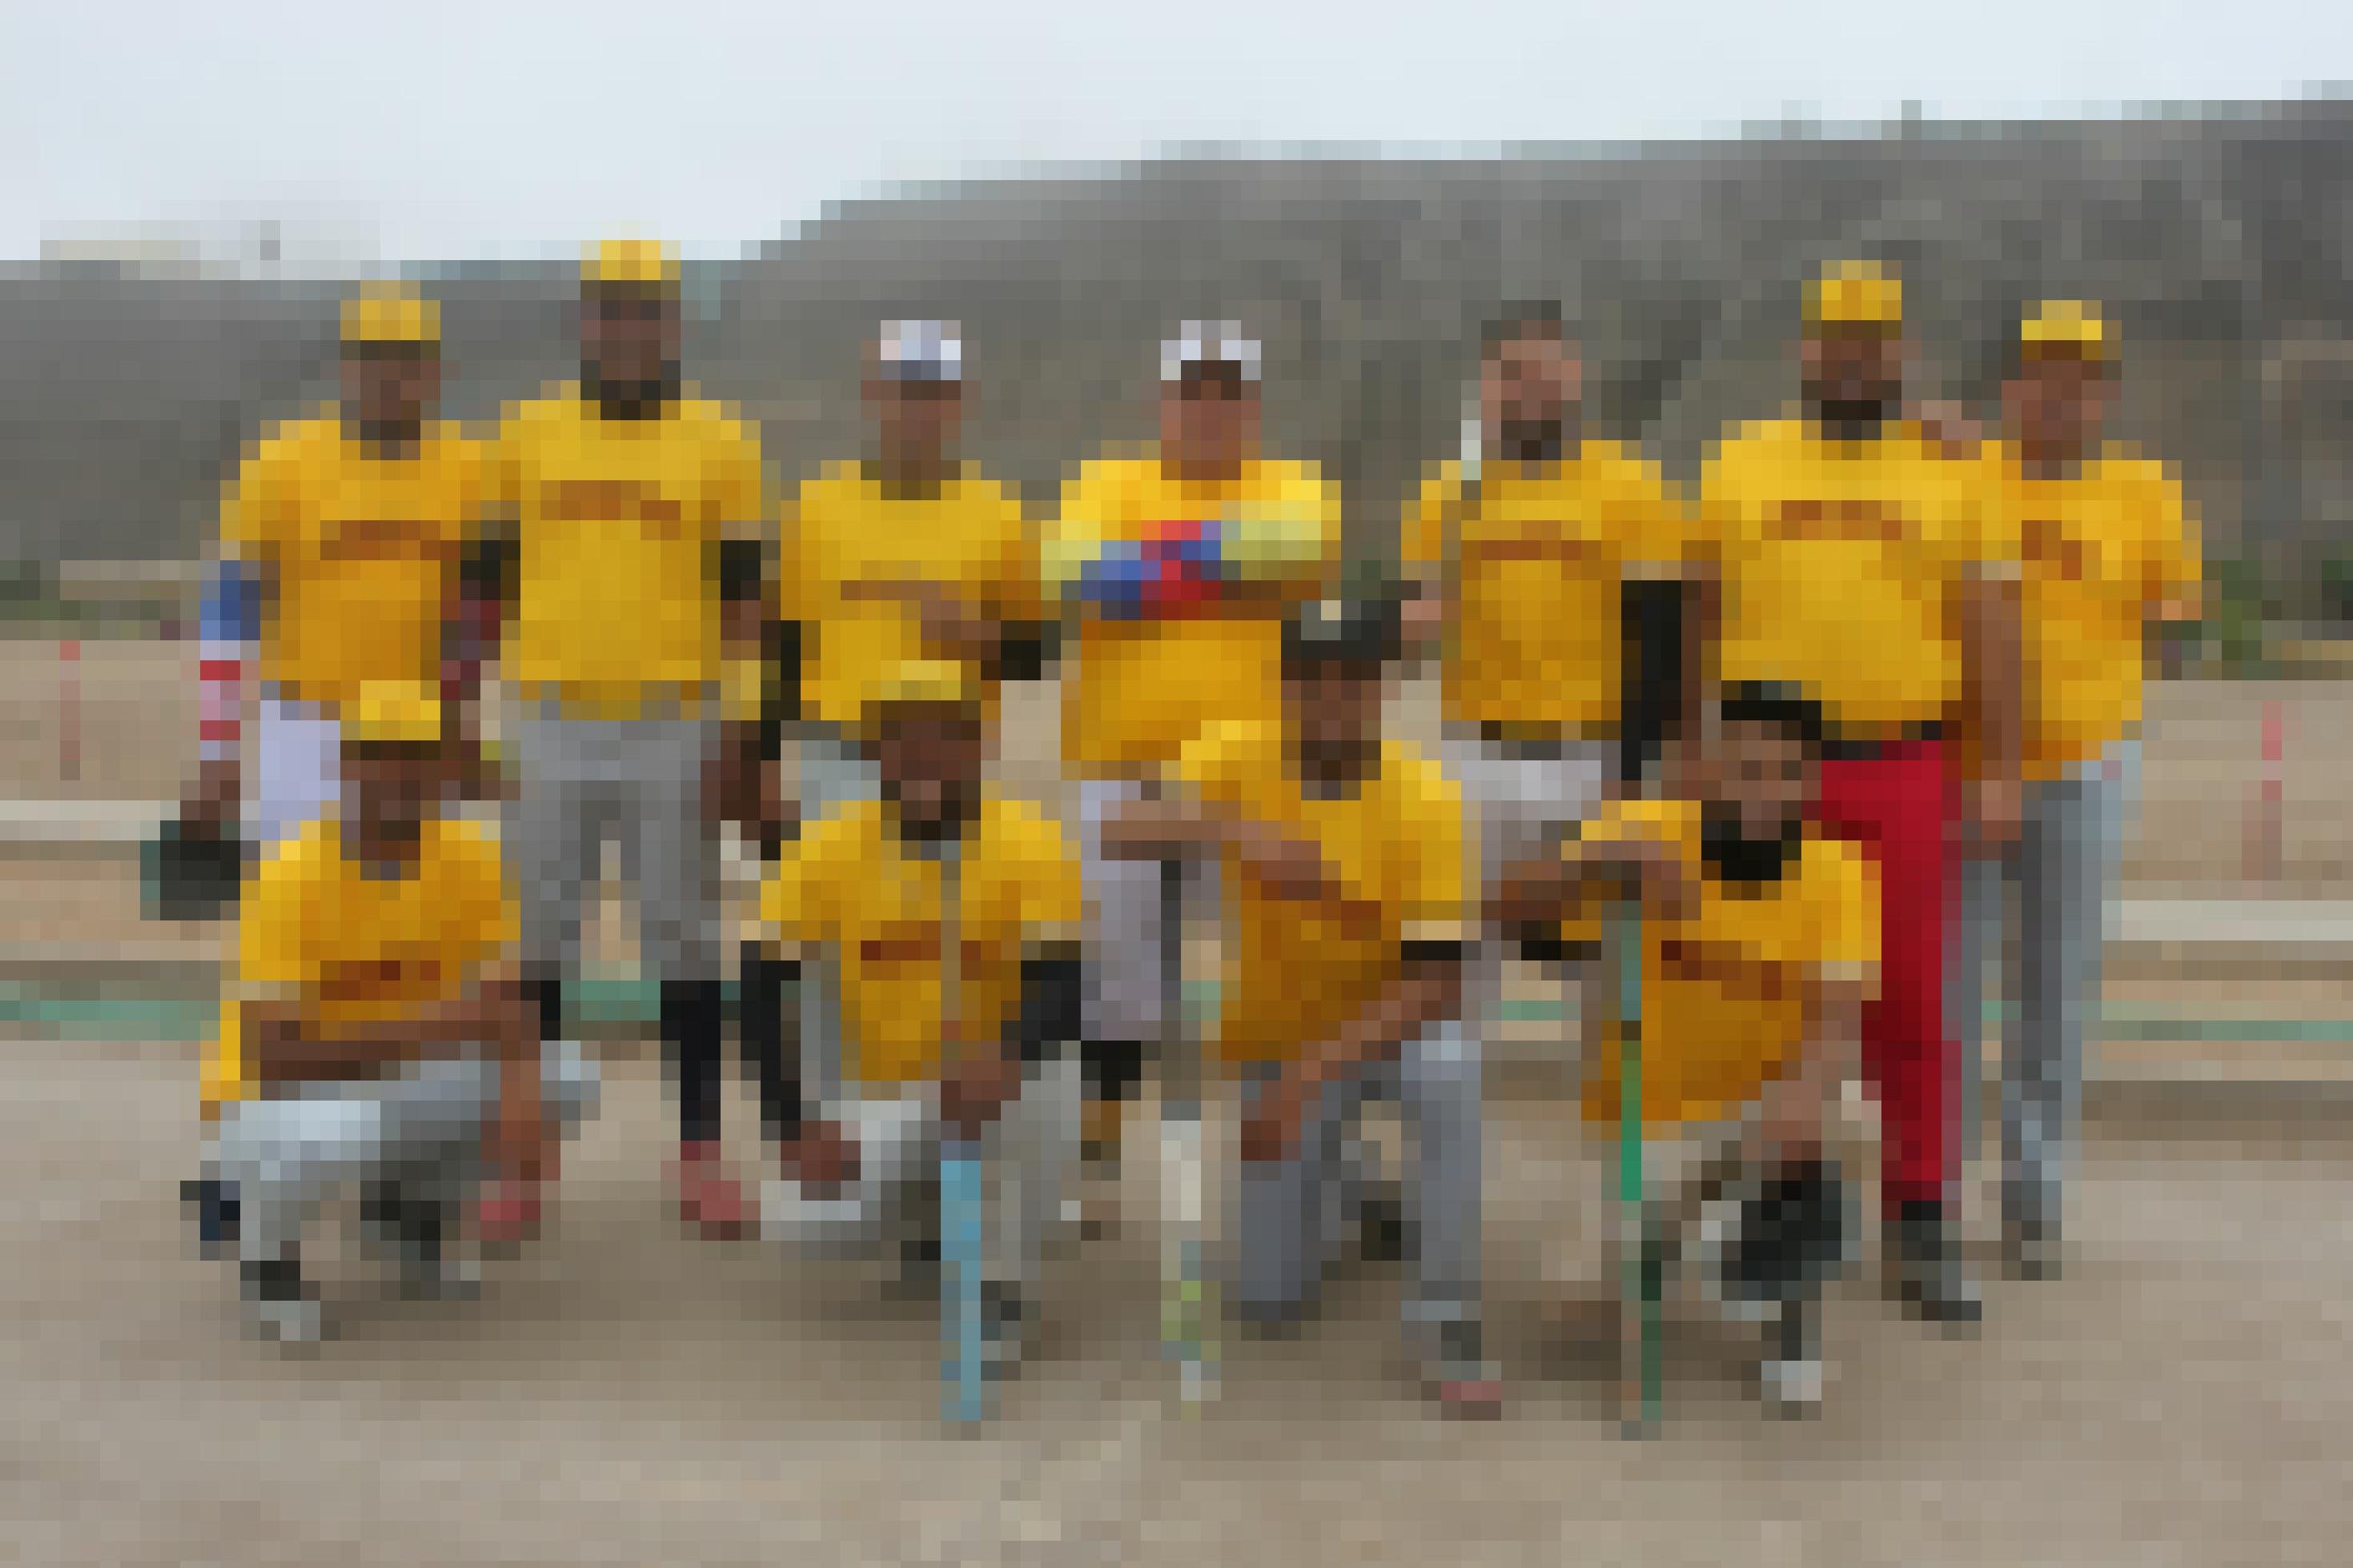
x=1898 y=805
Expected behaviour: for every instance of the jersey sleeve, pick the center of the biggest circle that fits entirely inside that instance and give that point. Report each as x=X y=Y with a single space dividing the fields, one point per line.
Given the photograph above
x=261 y=504
x=1073 y=539
x=1992 y=544
x=1018 y=585
x=735 y=481
x=1421 y=534
x=2175 y=562
x=796 y=908
x=274 y=957
x=1292 y=539
x=1846 y=923
x=791 y=591
x=487 y=926
x=1219 y=763
x=1053 y=902
x=1436 y=909
x=505 y=460
x=1656 y=527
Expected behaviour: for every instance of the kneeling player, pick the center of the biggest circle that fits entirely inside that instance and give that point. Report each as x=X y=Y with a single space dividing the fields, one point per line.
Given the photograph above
x=1345 y=864
x=933 y=934
x=378 y=1034
x=1760 y=945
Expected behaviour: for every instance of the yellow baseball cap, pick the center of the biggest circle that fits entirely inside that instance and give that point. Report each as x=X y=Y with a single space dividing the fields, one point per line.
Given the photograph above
x=1855 y=294
x=631 y=264
x=391 y=313
x=927 y=680
x=2071 y=328
x=394 y=713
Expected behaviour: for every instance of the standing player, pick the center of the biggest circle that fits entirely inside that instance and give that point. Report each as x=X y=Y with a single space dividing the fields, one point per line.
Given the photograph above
x=1344 y=854
x=376 y=1033
x=1860 y=565
x=636 y=511
x=340 y=541
x=856 y=912
x=1536 y=571
x=1759 y=935
x=915 y=554
x=1178 y=567
x=2109 y=550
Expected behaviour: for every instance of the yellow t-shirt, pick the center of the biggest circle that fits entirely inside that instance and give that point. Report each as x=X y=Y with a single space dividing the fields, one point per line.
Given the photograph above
x=617 y=602
x=852 y=888
x=843 y=528
x=1141 y=690
x=1297 y=973
x=1723 y=994
x=1540 y=558
x=1841 y=564
x=315 y=928
x=362 y=551
x=2100 y=551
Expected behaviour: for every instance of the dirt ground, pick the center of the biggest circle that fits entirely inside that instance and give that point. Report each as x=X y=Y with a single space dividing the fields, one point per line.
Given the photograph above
x=626 y=1395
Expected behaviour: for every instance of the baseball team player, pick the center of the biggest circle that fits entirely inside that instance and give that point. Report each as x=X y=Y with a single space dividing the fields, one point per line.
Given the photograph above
x=1860 y=562
x=932 y=933
x=636 y=513
x=374 y=1033
x=340 y=536
x=1175 y=569
x=2109 y=550
x=1542 y=566
x=1344 y=857
x=1761 y=934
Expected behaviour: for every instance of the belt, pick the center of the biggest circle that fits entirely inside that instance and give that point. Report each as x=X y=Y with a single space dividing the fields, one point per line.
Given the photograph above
x=1871 y=748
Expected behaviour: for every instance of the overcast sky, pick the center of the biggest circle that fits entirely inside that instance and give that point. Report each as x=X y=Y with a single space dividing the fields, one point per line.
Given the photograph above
x=515 y=128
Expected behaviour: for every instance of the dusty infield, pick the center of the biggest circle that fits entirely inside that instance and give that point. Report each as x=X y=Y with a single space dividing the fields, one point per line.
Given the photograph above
x=626 y=1395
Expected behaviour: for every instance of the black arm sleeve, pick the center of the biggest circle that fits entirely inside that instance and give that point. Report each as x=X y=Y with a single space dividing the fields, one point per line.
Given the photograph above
x=1025 y=652
x=1050 y=992
x=780 y=684
x=770 y=985
x=487 y=569
x=1652 y=675
x=742 y=568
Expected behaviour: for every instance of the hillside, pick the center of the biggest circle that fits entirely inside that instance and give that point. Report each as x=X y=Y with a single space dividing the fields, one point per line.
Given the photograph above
x=2222 y=242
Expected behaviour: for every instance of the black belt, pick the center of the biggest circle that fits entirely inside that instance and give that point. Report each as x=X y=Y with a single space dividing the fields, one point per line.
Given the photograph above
x=1857 y=749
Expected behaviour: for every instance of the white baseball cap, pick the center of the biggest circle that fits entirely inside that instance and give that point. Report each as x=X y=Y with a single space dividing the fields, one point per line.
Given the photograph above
x=1208 y=342
x=922 y=350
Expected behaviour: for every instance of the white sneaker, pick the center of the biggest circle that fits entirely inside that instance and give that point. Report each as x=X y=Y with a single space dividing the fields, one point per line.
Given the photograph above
x=288 y=1323
x=1717 y=1234
x=447 y=1279
x=1791 y=1388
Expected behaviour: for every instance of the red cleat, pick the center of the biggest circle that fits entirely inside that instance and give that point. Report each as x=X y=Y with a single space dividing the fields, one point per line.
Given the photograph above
x=708 y=1198
x=507 y=1214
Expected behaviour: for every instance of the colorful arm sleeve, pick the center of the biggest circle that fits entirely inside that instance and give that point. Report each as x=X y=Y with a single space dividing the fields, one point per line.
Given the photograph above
x=231 y=633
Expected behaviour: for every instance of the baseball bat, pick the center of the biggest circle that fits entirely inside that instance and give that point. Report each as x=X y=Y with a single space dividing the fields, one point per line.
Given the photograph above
x=1187 y=1309
x=964 y=1193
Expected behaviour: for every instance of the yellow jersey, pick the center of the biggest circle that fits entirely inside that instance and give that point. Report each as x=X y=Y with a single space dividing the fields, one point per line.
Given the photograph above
x=1843 y=563
x=1141 y=690
x=844 y=529
x=1536 y=647
x=2100 y=551
x=617 y=607
x=362 y=552
x=852 y=888
x=1724 y=993
x=1297 y=973
x=347 y=946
